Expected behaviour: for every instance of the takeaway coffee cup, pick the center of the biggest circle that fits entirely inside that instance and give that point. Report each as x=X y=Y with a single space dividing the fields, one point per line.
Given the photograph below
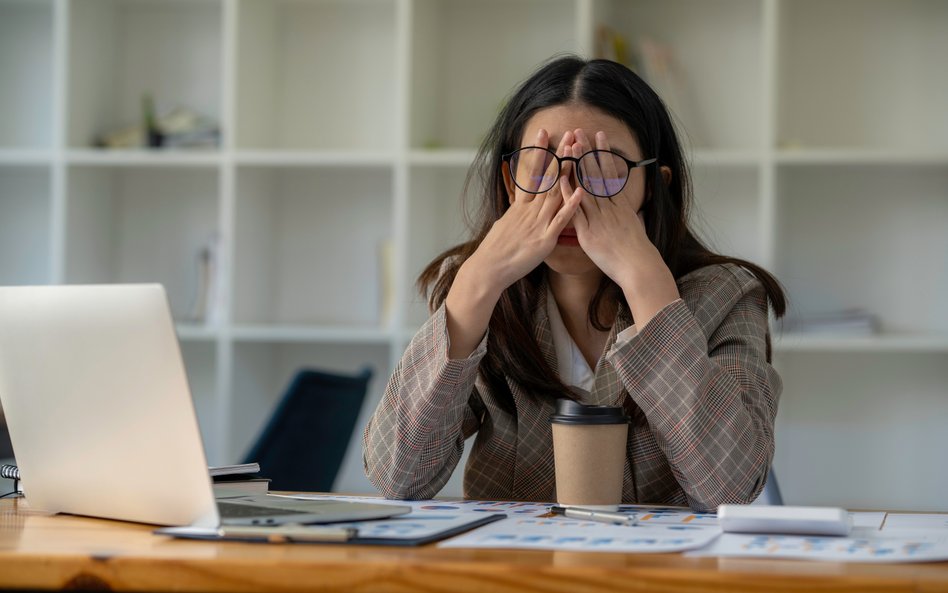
x=589 y=449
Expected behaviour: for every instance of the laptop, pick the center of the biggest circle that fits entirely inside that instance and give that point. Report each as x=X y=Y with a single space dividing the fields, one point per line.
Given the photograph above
x=101 y=418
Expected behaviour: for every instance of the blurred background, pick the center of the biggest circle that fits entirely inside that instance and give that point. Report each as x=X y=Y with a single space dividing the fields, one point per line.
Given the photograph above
x=286 y=168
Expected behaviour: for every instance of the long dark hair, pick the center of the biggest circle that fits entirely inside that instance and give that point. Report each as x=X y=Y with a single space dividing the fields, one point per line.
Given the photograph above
x=512 y=350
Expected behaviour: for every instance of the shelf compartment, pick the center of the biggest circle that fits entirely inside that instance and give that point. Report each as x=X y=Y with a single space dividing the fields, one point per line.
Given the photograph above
x=261 y=373
x=890 y=53
x=436 y=222
x=854 y=428
x=200 y=361
x=25 y=225
x=714 y=50
x=802 y=342
x=727 y=213
x=120 y=50
x=119 y=221
x=26 y=69
x=319 y=158
x=460 y=76
x=831 y=157
x=316 y=75
x=865 y=237
x=144 y=158
x=309 y=245
x=310 y=334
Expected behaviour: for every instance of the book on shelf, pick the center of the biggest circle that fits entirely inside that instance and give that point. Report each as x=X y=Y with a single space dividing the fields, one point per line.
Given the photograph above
x=231 y=481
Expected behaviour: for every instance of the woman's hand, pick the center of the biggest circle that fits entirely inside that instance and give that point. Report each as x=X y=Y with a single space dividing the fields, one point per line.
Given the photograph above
x=526 y=234
x=611 y=232
x=517 y=243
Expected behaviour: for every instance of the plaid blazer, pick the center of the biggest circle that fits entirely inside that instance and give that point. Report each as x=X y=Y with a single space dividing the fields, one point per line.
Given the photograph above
x=695 y=381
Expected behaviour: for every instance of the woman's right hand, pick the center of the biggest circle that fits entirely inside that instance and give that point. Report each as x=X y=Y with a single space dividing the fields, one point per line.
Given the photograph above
x=516 y=243
x=526 y=234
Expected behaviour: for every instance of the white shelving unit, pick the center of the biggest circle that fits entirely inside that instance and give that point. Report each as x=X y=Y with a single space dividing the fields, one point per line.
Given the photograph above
x=818 y=134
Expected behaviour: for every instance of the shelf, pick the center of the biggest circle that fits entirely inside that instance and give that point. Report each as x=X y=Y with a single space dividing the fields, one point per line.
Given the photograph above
x=816 y=133
x=875 y=343
x=726 y=158
x=120 y=51
x=144 y=158
x=458 y=157
x=866 y=157
x=191 y=332
x=316 y=75
x=26 y=69
x=309 y=158
x=23 y=156
x=311 y=334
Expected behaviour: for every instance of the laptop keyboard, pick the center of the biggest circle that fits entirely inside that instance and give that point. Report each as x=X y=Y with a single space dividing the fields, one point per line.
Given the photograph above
x=238 y=511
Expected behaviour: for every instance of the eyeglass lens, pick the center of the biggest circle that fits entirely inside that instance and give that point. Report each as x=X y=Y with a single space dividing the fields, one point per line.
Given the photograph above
x=600 y=172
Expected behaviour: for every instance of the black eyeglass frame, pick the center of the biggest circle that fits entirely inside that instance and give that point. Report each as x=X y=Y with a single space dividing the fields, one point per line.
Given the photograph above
x=559 y=167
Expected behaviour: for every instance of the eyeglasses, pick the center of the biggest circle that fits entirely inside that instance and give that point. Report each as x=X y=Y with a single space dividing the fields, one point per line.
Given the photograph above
x=602 y=173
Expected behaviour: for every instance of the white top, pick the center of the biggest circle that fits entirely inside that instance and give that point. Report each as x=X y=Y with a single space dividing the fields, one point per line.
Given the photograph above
x=573 y=369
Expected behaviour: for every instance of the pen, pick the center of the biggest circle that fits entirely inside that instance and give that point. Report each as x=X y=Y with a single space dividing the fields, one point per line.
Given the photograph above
x=289 y=533
x=611 y=517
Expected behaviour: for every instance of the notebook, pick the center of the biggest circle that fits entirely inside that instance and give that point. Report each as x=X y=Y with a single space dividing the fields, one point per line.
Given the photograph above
x=101 y=418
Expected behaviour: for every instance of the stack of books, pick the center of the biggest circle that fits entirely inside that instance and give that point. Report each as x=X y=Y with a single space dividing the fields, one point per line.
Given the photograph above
x=233 y=481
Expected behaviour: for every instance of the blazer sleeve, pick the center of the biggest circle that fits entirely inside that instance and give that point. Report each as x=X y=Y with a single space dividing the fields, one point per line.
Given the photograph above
x=413 y=441
x=700 y=374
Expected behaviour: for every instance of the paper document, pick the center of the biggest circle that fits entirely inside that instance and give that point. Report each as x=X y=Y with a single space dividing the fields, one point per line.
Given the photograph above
x=914 y=521
x=875 y=536
x=835 y=549
x=557 y=533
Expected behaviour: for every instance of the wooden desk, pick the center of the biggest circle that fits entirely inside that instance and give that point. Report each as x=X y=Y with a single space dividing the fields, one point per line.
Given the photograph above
x=40 y=551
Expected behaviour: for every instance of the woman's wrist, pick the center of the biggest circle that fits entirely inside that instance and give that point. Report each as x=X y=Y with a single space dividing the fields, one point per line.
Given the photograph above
x=468 y=306
x=649 y=290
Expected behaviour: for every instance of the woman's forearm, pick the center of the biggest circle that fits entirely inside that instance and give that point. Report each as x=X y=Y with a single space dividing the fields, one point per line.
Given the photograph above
x=469 y=306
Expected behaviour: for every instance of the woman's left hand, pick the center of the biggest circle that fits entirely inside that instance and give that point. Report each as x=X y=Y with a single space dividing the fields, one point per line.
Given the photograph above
x=611 y=231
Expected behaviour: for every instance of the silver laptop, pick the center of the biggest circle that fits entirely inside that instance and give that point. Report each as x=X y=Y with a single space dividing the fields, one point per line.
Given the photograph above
x=101 y=418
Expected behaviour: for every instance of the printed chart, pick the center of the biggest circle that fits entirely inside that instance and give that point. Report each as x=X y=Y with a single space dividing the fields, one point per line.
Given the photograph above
x=556 y=533
x=836 y=549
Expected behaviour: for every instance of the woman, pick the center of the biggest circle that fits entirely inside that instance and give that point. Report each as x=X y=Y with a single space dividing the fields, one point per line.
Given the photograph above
x=583 y=280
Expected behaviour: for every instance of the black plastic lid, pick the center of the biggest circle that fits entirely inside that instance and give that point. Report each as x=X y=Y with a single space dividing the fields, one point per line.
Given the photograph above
x=570 y=412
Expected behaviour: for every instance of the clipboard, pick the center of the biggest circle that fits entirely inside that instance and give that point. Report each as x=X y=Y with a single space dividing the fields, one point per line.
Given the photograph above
x=406 y=530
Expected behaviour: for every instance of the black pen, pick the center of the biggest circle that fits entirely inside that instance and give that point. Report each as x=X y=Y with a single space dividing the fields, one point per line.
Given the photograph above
x=610 y=517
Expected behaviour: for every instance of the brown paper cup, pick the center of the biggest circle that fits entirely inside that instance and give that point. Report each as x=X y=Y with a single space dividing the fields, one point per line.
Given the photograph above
x=589 y=450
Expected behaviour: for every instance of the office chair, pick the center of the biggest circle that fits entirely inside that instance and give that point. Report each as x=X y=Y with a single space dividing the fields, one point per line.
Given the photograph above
x=771 y=492
x=303 y=444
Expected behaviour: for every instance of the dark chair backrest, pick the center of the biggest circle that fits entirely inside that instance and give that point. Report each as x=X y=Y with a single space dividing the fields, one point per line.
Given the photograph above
x=302 y=446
